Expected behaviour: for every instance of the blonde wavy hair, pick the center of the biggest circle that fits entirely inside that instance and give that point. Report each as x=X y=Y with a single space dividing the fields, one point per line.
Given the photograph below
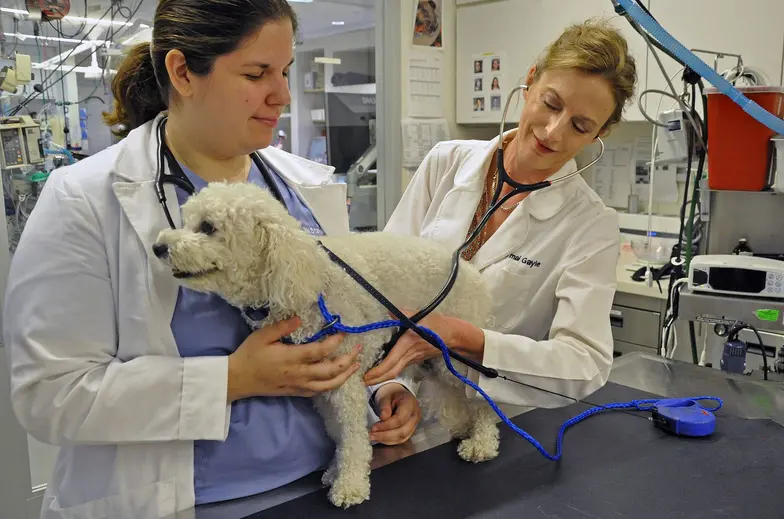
x=595 y=46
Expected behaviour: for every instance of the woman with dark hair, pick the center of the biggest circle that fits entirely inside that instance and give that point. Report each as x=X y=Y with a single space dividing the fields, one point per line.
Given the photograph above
x=160 y=397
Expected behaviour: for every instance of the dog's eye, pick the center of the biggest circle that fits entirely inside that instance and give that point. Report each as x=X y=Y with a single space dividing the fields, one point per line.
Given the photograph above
x=206 y=227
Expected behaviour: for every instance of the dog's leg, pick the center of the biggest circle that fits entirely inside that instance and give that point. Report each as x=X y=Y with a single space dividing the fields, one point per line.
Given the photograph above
x=443 y=399
x=482 y=443
x=473 y=422
x=349 y=473
x=329 y=415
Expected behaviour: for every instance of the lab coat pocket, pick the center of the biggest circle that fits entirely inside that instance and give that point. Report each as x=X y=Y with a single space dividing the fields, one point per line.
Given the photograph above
x=510 y=285
x=156 y=500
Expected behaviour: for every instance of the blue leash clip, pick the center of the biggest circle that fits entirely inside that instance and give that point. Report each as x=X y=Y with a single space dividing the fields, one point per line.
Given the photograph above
x=683 y=417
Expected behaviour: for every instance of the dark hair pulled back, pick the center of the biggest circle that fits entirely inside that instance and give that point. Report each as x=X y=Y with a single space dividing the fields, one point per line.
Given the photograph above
x=203 y=30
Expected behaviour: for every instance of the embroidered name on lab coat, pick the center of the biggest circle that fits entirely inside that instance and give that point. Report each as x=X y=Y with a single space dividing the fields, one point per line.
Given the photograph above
x=525 y=261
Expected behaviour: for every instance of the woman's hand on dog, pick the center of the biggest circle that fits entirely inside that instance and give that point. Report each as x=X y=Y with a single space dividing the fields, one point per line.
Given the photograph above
x=412 y=349
x=264 y=366
x=399 y=412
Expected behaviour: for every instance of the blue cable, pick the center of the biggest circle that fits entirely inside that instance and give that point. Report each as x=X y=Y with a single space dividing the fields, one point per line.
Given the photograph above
x=335 y=325
x=700 y=67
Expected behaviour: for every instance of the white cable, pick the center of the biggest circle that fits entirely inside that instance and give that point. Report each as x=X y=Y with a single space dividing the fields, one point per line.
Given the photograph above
x=671 y=326
x=654 y=144
x=663 y=339
x=704 y=352
x=675 y=340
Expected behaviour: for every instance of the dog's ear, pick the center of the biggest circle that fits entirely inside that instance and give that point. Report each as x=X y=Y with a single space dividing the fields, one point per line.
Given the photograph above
x=294 y=265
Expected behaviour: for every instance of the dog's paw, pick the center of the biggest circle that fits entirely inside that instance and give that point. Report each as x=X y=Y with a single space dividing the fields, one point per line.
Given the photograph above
x=329 y=475
x=346 y=492
x=477 y=450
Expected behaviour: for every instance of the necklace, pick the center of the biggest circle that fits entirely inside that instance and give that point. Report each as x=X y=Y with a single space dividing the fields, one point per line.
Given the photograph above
x=495 y=186
x=481 y=209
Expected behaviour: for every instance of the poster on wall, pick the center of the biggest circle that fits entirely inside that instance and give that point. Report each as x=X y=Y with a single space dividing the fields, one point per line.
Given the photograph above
x=426 y=86
x=428 y=23
x=488 y=84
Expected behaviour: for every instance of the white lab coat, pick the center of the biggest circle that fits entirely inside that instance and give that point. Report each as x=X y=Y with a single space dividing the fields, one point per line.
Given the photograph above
x=94 y=365
x=550 y=266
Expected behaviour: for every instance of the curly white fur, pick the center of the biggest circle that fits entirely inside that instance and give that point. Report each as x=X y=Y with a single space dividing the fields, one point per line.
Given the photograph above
x=239 y=242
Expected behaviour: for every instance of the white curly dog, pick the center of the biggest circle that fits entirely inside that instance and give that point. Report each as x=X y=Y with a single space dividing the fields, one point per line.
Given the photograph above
x=241 y=243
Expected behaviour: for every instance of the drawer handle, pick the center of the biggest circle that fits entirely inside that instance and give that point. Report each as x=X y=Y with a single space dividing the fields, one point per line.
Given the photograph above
x=616 y=318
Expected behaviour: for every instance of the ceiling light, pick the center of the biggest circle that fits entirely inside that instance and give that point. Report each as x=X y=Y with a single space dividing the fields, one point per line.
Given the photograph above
x=338 y=22
x=23 y=37
x=95 y=21
x=301 y=1
x=327 y=61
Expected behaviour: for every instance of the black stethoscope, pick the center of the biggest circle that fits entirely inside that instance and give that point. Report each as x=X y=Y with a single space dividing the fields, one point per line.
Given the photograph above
x=178 y=177
x=497 y=202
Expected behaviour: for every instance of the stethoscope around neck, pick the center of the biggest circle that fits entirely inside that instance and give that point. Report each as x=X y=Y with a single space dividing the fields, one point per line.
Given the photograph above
x=178 y=178
x=495 y=204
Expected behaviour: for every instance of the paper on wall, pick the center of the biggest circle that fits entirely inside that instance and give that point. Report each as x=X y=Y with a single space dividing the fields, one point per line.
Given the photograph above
x=665 y=183
x=611 y=178
x=488 y=84
x=425 y=83
x=622 y=154
x=419 y=137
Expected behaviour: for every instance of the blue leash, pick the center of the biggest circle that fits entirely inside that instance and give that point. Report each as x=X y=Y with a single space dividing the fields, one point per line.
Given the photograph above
x=683 y=416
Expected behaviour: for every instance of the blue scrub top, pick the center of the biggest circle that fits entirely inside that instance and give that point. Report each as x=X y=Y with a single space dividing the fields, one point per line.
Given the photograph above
x=272 y=441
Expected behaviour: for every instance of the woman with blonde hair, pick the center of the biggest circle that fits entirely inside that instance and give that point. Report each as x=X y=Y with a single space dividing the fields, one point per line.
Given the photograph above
x=549 y=257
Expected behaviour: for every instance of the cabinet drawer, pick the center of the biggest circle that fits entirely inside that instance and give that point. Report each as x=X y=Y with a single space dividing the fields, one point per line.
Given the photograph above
x=635 y=326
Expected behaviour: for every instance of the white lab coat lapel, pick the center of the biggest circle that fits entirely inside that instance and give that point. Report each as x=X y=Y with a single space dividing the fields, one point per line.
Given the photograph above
x=134 y=188
x=321 y=196
x=508 y=238
x=458 y=207
x=322 y=201
x=456 y=210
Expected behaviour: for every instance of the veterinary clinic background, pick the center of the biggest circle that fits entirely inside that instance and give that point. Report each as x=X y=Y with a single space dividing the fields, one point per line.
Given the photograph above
x=423 y=258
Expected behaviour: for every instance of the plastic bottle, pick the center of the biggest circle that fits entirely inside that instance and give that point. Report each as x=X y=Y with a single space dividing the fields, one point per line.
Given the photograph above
x=742 y=248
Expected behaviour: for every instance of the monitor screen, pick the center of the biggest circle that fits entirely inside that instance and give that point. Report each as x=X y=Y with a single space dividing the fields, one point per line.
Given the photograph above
x=348 y=127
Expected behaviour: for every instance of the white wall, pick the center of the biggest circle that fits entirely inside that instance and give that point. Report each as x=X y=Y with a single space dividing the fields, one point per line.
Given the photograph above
x=450 y=59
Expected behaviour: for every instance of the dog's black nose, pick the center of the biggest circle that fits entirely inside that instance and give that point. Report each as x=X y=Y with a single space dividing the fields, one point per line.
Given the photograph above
x=161 y=250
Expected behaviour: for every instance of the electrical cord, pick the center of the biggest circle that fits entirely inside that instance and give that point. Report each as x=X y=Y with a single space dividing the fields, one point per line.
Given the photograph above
x=74 y=35
x=87 y=57
x=670 y=316
x=81 y=40
x=672 y=89
x=732 y=335
x=622 y=12
x=642 y=109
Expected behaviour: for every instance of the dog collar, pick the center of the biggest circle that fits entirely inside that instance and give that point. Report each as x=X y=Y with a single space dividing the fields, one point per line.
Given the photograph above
x=254 y=316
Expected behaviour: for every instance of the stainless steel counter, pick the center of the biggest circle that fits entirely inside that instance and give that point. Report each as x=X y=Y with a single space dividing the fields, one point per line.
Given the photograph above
x=743 y=397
